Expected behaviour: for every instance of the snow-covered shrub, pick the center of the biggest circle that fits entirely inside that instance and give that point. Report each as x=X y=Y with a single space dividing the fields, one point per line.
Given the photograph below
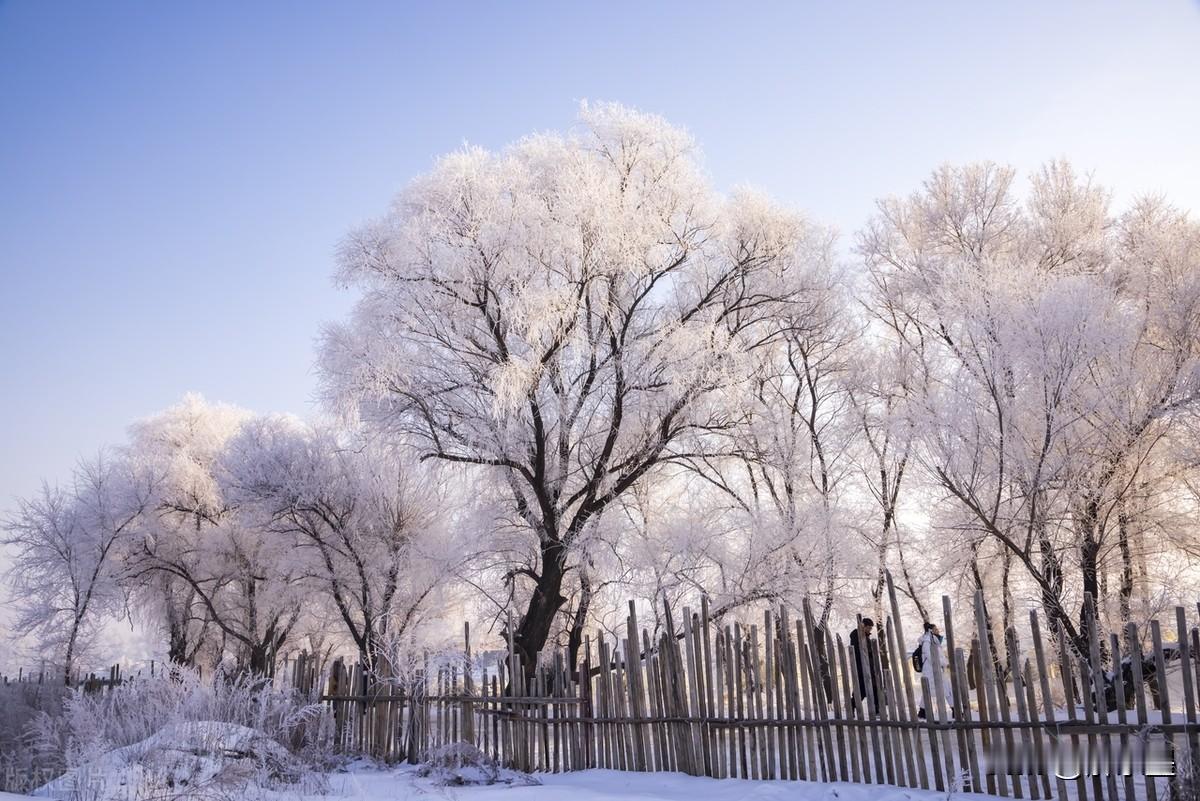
x=24 y=764
x=460 y=764
x=196 y=760
x=1186 y=786
x=176 y=735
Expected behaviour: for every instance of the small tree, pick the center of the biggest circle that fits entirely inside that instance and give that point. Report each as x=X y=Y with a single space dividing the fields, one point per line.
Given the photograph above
x=371 y=533
x=67 y=544
x=196 y=543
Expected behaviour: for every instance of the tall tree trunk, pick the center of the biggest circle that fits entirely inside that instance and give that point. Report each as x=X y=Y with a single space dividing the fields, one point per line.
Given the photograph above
x=69 y=658
x=1126 y=594
x=259 y=660
x=1007 y=605
x=880 y=574
x=579 y=621
x=1089 y=554
x=544 y=603
x=1052 y=589
x=177 y=641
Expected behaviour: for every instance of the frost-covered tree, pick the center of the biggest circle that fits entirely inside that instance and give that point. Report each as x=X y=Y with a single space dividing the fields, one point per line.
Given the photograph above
x=565 y=317
x=202 y=560
x=779 y=489
x=374 y=535
x=181 y=445
x=67 y=544
x=1056 y=345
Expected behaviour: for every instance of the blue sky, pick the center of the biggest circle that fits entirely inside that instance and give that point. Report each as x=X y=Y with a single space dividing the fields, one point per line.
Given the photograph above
x=174 y=177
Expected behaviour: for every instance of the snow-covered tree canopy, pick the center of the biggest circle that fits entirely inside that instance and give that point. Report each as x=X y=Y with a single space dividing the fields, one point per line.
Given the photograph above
x=359 y=519
x=1059 y=347
x=567 y=315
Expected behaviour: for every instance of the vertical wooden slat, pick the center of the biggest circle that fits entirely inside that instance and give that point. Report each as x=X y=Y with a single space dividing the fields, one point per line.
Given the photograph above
x=733 y=710
x=754 y=673
x=1043 y=672
x=702 y=710
x=1189 y=693
x=1139 y=687
x=987 y=671
x=721 y=732
x=606 y=755
x=1164 y=697
x=709 y=694
x=739 y=685
x=943 y=713
x=691 y=673
x=1122 y=715
x=909 y=738
x=468 y=686
x=860 y=757
x=624 y=746
x=960 y=700
x=1002 y=706
x=1068 y=684
x=809 y=676
x=845 y=746
x=886 y=704
x=902 y=740
x=786 y=660
x=662 y=760
x=768 y=706
x=637 y=688
x=1025 y=754
x=588 y=728
x=1097 y=703
x=825 y=756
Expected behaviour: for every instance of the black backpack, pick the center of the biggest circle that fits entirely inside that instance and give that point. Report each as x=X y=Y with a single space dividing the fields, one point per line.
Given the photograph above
x=918 y=659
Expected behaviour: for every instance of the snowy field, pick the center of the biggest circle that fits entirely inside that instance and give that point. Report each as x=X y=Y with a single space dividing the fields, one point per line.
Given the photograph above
x=591 y=785
x=602 y=785
x=219 y=761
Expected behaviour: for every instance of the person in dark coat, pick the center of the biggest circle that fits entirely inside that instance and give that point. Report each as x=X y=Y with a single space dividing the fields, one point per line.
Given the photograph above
x=868 y=665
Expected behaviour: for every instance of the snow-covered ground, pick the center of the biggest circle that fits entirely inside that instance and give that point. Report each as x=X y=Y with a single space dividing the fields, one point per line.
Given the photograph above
x=219 y=761
x=609 y=785
x=403 y=784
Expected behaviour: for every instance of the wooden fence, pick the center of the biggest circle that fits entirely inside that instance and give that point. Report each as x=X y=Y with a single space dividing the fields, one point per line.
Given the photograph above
x=779 y=701
x=89 y=682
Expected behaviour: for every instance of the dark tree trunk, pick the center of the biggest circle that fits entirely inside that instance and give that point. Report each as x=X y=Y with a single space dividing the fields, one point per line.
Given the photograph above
x=1126 y=594
x=579 y=621
x=545 y=602
x=177 y=643
x=1007 y=605
x=1051 y=570
x=1089 y=554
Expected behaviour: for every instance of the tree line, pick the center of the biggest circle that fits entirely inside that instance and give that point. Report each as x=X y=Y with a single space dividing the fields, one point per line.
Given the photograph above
x=577 y=372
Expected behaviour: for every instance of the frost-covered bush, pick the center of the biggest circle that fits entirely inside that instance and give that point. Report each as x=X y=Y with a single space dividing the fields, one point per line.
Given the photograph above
x=1186 y=786
x=176 y=735
x=23 y=764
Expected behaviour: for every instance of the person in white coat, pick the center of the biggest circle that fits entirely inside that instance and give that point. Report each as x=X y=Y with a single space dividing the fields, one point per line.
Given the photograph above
x=933 y=656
